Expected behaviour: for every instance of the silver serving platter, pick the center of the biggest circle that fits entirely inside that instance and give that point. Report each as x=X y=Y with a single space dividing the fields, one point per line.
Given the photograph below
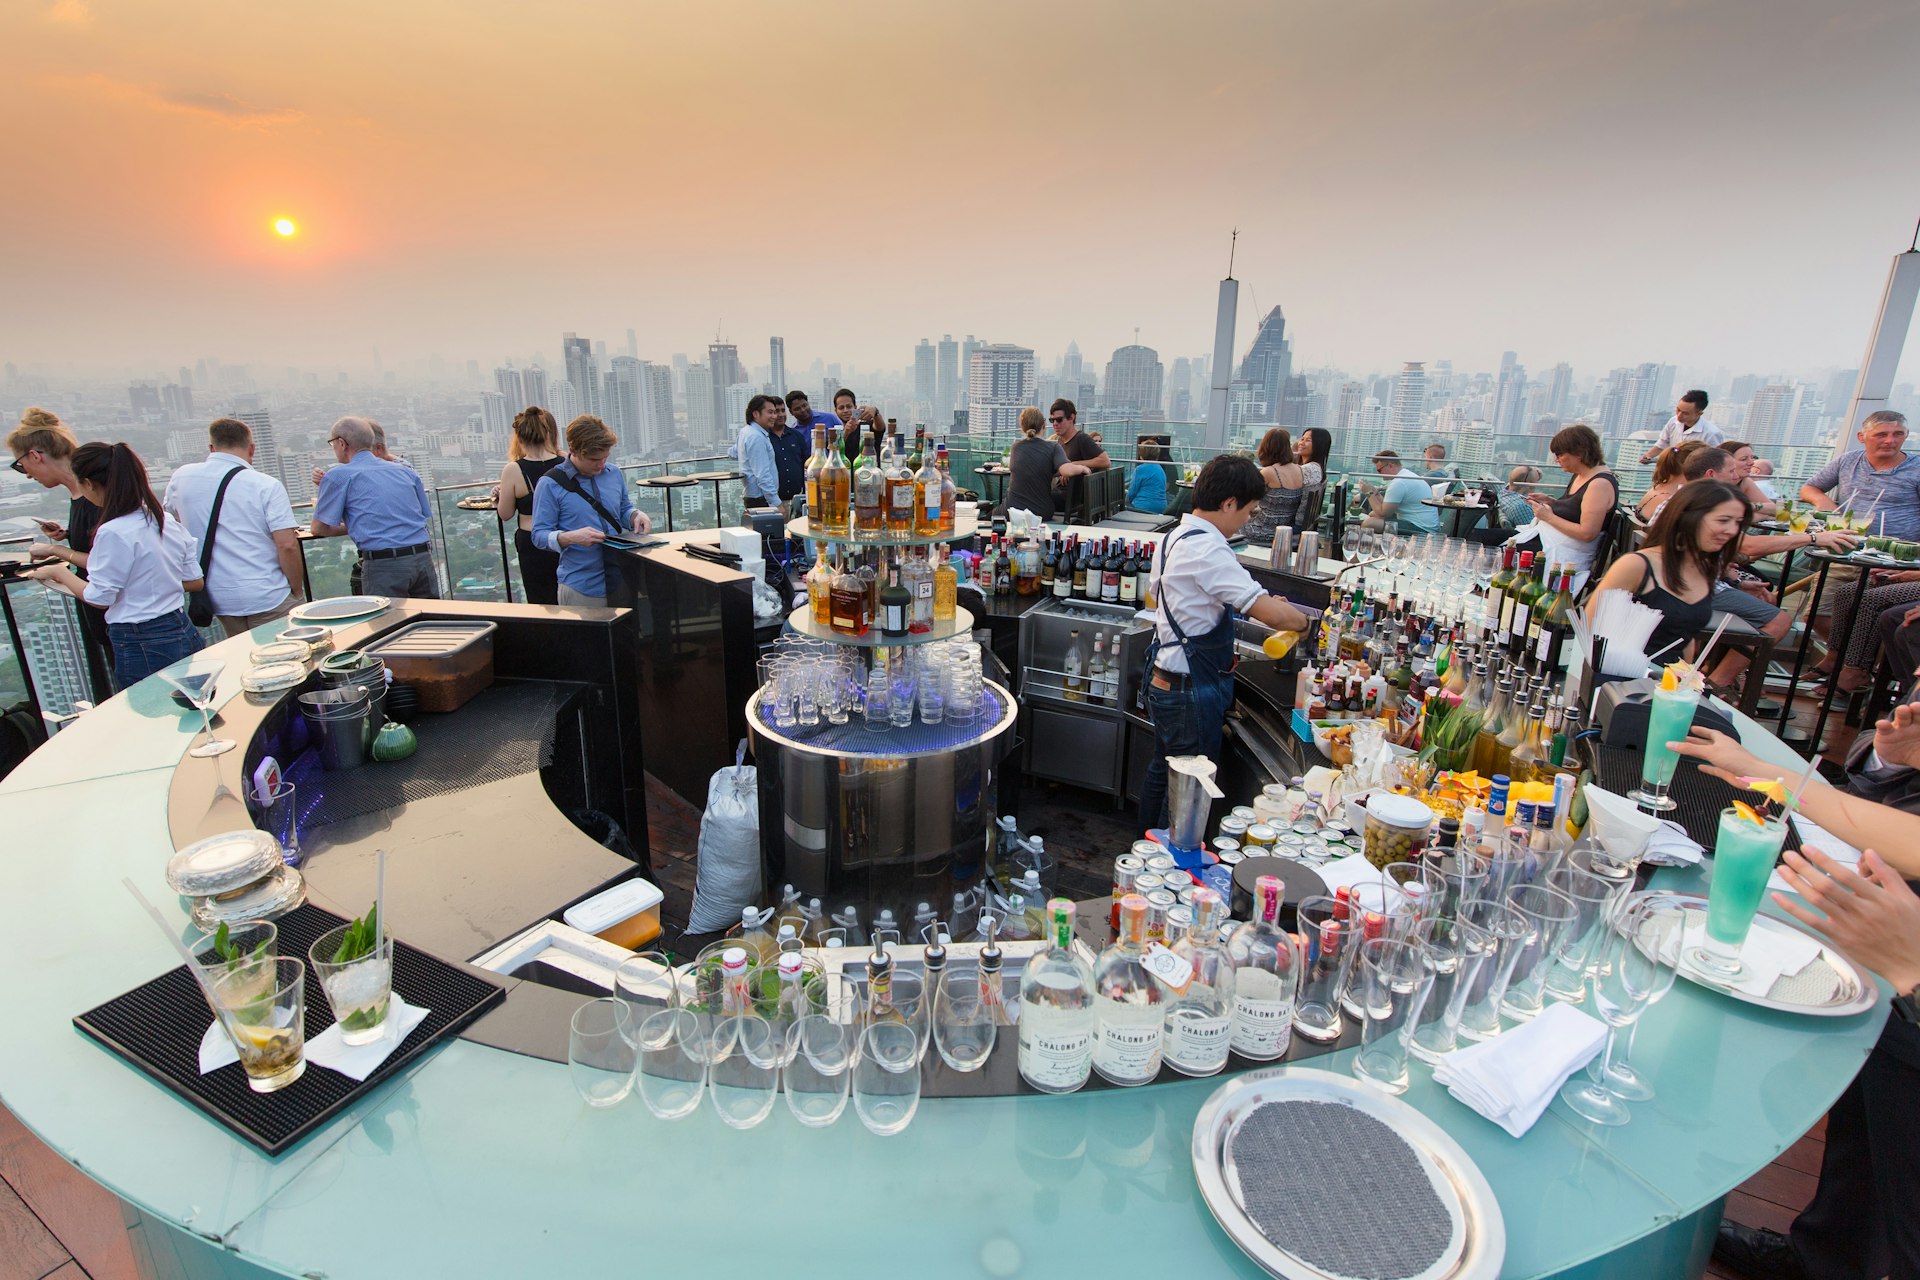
x=340 y=608
x=1480 y=1235
x=1854 y=990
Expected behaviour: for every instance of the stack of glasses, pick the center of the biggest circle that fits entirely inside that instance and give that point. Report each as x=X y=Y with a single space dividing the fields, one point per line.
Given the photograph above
x=805 y=683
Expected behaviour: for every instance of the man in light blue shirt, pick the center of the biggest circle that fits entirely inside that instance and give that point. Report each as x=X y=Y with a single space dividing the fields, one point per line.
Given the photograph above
x=755 y=451
x=383 y=507
x=578 y=505
x=1401 y=505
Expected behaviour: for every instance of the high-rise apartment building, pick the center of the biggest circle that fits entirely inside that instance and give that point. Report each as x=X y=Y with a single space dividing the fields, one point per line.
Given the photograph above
x=1000 y=383
x=565 y=404
x=622 y=404
x=967 y=349
x=1352 y=395
x=656 y=404
x=1510 y=398
x=723 y=370
x=496 y=419
x=506 y=383
x=1134 y=381
x=777 y=357
x=1409 y=413
x=289 y=470
x=56 y=655
x=1770 y=415
x=703 y=424
x=582 y=372
x=1559 y=390
x=735 y=414
x=176 y=401
x=925 y=378
x=533 y=389
x=145 y=399
x=946 y=383
x=1072 y=366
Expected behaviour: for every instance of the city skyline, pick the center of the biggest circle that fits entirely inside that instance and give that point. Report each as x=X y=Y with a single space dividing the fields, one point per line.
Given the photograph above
x=1592 y=179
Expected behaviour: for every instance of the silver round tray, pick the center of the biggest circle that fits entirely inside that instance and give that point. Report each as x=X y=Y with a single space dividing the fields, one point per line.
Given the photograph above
x=1852 y=989
x=1479 y=1235
x=340 y=608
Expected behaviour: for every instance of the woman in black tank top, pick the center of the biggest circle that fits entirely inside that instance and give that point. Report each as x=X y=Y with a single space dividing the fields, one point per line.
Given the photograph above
x=533 y=453
x=1690 y=548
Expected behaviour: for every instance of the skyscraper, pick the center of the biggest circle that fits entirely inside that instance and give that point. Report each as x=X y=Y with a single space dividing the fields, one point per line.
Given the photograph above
x=290 y=471
x=622 y=401
x=1071 y=365
x=1000 y=383
x=1268 y=364
x=946 y=383
x=967 y=349
x=1770 y=415
x=723 y=370
x=1559 y=390
x=1409 y=413
x=656 y=403
x=145 y=398
x=582 y=372
x=924 y=379
x=506 y=381
x=777 y=351
x=1510 y=398
x=1134 y=381
x=633 y=345
x=564 y=402
x=176 y=399
x=533 y=388
x=1352 y=395
x=702 y=424
x=496 y=418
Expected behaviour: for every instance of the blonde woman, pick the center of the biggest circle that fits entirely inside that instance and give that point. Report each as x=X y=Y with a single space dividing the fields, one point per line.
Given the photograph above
x=534 y=451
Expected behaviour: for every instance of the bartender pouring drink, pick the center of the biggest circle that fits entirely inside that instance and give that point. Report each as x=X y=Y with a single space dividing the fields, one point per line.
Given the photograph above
x=1199 y=585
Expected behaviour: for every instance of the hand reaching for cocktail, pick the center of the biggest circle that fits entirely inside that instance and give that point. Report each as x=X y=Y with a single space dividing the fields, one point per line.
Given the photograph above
x=1896 y=740
x=1723 y=757
x=1872 y=914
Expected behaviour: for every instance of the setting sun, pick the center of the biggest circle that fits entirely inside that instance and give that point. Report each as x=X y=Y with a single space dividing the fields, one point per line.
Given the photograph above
x=284 y=226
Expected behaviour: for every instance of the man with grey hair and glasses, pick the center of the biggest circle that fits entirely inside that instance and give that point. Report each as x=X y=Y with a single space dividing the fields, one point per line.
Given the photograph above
x=383 y=507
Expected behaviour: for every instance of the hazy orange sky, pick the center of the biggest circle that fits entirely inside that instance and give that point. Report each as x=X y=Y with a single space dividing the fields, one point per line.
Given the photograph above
x=1710 y=182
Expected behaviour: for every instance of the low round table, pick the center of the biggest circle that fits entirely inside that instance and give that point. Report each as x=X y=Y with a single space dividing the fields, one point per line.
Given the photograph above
x=1458 y=509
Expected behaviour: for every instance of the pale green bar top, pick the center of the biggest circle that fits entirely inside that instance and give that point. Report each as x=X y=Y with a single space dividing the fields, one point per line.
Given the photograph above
x=481 y=1162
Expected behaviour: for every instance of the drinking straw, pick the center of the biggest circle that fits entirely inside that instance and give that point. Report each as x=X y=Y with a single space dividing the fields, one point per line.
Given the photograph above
x=172 y=941
x=380 y=896
x=1700 y=662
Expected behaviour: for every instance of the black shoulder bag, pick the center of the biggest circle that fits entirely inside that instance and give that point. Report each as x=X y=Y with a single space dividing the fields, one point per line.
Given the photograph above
x=200 y=603
x=573 y=486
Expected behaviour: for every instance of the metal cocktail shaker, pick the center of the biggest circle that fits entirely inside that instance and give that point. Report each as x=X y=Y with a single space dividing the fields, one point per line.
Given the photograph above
x=1280 y=555
x=1306 y=561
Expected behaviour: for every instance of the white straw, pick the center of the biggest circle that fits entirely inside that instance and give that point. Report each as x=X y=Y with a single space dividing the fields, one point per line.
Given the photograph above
x=1701 y=661
x=1662 y=649
x=380 y=897
x=161 y=924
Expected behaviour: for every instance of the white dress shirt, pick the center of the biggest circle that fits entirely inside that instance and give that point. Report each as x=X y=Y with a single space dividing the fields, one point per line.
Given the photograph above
x=1673 y=433
x=1203 y=578
x=245 y=576
x=135 y=572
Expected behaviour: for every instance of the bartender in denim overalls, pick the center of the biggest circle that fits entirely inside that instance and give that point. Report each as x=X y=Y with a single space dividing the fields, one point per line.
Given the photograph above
x=1199 y=585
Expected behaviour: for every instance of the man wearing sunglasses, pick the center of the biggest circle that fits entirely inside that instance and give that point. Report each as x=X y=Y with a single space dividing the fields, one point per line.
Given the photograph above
x=1080 y=447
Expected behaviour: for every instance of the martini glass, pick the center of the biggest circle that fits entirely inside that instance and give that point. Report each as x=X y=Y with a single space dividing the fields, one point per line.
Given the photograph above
x=194 y=680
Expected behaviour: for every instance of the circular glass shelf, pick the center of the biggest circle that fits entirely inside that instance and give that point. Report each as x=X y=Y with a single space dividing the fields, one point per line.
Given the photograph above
x=960 y=624
x=963 y=527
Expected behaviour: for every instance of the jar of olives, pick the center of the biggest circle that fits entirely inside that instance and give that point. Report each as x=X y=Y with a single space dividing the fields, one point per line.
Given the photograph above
x=1396 y=829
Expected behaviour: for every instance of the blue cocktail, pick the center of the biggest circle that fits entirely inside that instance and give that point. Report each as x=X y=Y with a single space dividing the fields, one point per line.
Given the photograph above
x=1744 y=852
x=1669 y=718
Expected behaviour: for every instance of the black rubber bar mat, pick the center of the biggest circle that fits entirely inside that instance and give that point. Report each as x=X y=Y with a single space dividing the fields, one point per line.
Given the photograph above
x=1700 y=798
x=157 y=1027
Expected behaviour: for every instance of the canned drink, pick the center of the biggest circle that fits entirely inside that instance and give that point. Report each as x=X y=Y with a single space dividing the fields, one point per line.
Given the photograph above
x=1497 y=796
x=1234 y=828
x=1179 y=919
x=1159 y=902
x=1185 y=898
x=1161 y=864
x=1306 y=557
x=1260 y=836
x=1126 y=868
x=1145 y=849
x=1146 y=882
x=1306 y=829
x=1222 y=844
x=1232 y=857
x=1245 y=813
x=1280 y=555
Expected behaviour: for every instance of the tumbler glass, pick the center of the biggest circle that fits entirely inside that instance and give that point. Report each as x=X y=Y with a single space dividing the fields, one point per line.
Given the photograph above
x=600 y=1052
x=1422 y=887
x=906 y=1003
x=266 y=1022
x=1380 y=910
x=672 y=1069
x=1331 y=941
x=1459 y=950
x=884 y=1095
x=742 y=1084
x=250 y=945
x=963 y=1018
x=1463 y=877
x=360 y=990
x=1396 y=980
x=1511 y=932
x=648 y=984
x=278 y=814
x=1584 y=945
x=1551 y=915
x=818 y=1074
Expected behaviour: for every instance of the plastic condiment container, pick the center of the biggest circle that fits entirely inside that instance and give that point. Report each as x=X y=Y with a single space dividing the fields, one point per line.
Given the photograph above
x=627 y=915
x=1396 y=829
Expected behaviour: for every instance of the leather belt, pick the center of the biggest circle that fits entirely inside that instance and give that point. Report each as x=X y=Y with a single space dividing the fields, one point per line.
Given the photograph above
x=1165 y=679
x=394 y=553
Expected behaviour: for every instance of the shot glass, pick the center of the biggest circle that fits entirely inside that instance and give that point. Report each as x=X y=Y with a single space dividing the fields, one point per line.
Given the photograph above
x=1550 y=914
x=885 y=1096
x=1459 y=950
x=672 y=1070
x=266 y=1022
x=600 y=1052
x=1396 y=980
x=360 y=990
x=742 y=1084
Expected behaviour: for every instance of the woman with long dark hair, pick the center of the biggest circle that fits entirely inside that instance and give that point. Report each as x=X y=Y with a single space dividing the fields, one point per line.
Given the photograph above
x=1311 y=451
x=1690 y=548
x=1286 y=486
x=140 y=564
x=534 y=451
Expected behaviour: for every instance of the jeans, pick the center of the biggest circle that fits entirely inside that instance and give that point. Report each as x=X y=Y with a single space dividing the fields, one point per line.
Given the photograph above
x=402 y=577
x=142 y=648
x=1187 y=721
x=238 y=624
x=579 y=600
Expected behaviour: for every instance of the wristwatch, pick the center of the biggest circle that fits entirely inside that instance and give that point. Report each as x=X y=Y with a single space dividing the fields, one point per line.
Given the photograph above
x=1908 y=1006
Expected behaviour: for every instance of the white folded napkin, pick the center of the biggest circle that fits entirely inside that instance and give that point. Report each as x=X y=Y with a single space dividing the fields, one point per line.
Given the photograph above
x=1344 y=873
x=1511 y=1078
x=328 y=1049
x=358 y=1061
x=1767 y=955
x=1671 y=846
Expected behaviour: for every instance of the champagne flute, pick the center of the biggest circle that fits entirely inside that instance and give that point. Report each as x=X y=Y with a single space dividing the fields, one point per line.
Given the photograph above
x=194 y=679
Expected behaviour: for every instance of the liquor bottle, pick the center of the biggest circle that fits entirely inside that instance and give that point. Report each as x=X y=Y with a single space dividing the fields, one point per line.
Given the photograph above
x=896 y=603
x=1026 y=567
x=917 y=578
x=1510 y=598
x=1081 y=563
x=870 y=579
x=1537 y=614
x=849 y=603
x=1057 y=1020
x=1486 y=743
x=946 y=586
x=1130 y=575
x=1110 y=576
x=1266 y=977
x=918 y=458
x=1529 y=762
x=983 y=574
x=1063 y=573
x=1097 y=672
x=1556 y=624
x=820 y=588
x=1400 y=674
x=949 y=492
x=900 y=489
x=869 y=498
x=816 y=464
x=1513 y=730
x=1049 y=566
x=1129 y=1004
x=1073 y=682
x=1199 y=987
x=1523 y=602
x=1003 y=571
x=926 y=495
x=836 y=489
x=1500 y=584
x=1143 y=587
